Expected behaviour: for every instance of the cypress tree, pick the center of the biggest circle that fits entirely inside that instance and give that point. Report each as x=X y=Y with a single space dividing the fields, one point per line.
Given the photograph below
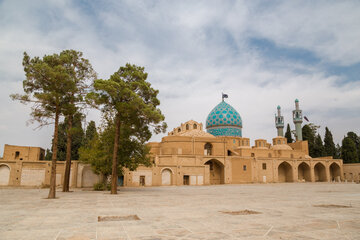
x=348 y=151
x=308 y=135
x=319 y=150
x=329 y=144
x=288 y=134
x=356 y=140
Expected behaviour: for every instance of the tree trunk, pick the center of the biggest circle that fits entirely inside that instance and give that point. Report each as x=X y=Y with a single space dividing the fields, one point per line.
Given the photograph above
x=52 y=191
x=68 y=155
x=115 y=156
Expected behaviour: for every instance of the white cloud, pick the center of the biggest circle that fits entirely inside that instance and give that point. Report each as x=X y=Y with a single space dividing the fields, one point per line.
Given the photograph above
x=192 y=52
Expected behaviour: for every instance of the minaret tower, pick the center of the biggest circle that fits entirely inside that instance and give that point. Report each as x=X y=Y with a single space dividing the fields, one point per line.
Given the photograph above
x=297 y=117
x=279 y=122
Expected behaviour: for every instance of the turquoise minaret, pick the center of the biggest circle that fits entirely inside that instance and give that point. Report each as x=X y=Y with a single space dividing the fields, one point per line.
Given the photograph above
x=279 y=122
x=297 y=117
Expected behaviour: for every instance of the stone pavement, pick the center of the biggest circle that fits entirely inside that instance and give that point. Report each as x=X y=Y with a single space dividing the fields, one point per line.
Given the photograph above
x=286 y=211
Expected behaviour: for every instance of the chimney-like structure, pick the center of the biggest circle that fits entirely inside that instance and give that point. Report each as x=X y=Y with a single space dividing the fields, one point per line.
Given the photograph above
x=279 y=122
x=297 y=118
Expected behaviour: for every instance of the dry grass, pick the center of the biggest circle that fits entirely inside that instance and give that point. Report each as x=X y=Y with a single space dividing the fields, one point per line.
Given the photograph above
x=118 y=218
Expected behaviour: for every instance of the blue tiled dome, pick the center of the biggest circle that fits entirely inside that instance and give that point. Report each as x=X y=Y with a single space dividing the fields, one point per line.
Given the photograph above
x=224 y=120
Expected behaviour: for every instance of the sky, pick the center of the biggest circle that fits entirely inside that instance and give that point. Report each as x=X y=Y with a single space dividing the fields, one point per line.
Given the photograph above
x=261 y=53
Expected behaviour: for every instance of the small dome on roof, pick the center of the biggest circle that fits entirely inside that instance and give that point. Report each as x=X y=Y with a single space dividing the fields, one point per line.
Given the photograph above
x=296 y=100
x=278 y=107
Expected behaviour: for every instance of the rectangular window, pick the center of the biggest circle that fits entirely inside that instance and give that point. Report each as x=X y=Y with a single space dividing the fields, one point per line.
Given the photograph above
x=264 y=166
x=244 y=167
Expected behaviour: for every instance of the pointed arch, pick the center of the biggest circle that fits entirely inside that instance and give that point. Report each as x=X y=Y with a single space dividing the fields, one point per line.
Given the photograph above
x=319 y=172
x=285 y=172
x=304 y=172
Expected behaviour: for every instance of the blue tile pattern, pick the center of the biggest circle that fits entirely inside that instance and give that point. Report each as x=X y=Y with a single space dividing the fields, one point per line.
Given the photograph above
x=225 y=131
x=224 y=120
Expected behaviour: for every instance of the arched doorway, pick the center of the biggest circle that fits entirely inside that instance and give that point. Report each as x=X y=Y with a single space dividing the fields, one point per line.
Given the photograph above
x=304 y=172
x=166 y=177
x=4 y=174
x=335 y=172
x=285 y=172
x=216 y=171
x=319 y=172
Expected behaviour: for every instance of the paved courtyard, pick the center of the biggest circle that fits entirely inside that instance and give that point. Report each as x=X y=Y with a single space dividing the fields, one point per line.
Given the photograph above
x=275 y=211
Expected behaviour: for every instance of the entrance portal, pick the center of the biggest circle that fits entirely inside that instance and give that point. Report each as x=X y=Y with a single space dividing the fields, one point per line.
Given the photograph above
x=186 y=180
x=335 y=172
x=304 y=172
x=4 y=175
x=320 y=173
x=142 y=181
x=285 y=172
x=216 y=171
x=166 y=177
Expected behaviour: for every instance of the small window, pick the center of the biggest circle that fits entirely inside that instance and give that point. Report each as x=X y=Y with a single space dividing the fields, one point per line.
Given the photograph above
x=229 y=153
x=179 y=130
x=17 y=154
x=187 y=126
x=244 y=167
x=195 y=126
x=264 y=166
x=253 y=154
x=279 y=142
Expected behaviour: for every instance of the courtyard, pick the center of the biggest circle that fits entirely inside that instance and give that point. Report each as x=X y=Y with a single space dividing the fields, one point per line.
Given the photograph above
x=247 y=211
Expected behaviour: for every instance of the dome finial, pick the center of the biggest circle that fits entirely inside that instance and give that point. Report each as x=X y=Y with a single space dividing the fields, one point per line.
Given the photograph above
x=224 y=95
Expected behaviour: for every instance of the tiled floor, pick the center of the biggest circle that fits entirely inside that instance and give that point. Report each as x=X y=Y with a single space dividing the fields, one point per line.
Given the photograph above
x=191 y=212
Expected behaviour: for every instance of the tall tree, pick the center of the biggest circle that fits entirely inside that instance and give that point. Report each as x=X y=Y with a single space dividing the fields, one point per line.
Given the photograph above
x=319 y=150
x=356 y=140
x=90 y=133
x=348 y=151
x=288 y=134
x=309 y=132
x=329 y=145
x=308 y=135
x=46 y=86
x=81 y=74
x=129 y=101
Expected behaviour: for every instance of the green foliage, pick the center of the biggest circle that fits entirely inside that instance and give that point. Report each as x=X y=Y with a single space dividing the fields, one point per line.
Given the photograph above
x=48 y=154
x=329 y=145
x=90 y=133
x=356 y=140
x=129 y=106
x=77 y=138
x=308 y=135
x=288 y=134
x=348 y=151
x=101 y=186
x=318 y=149
x=98 y=153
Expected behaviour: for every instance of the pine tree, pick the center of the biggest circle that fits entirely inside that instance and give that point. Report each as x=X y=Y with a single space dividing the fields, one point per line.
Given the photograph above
x=46 y=86
x=129 y=103
x=329 y=144
x=288 y=134
x=348 y=151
